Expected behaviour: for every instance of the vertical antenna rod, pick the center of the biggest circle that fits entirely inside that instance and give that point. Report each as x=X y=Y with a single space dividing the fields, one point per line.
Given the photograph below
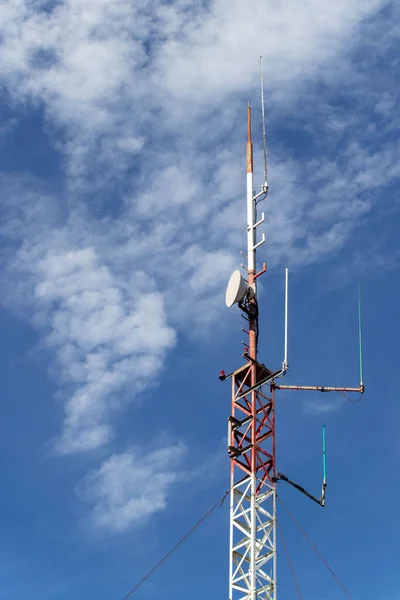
x=285 y=360
x=263 y=123
x=360 y=337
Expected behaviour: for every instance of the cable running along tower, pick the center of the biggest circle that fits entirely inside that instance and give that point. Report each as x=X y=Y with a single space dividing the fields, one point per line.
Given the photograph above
x=251 y=426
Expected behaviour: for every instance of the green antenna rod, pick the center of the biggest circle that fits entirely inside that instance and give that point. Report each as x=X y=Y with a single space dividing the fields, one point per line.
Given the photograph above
x=320 y=501
x=360 y=337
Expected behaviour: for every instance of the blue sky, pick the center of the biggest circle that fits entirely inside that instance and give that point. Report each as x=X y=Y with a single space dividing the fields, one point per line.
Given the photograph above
x=122 y=198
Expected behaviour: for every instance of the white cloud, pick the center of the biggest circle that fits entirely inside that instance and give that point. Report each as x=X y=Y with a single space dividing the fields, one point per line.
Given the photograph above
x=145 y=104
x=108 y=334
x=128 y=488
x=103 y=337
x=111 y=73
x=296 y=41
x=316 y=406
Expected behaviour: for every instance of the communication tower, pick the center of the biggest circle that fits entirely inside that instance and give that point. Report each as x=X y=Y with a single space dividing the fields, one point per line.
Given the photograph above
x=251 y=425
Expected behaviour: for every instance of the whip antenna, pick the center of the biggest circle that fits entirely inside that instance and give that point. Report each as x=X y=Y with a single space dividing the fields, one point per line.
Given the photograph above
x=263 y=125
x=285 y=365
x=360 y=337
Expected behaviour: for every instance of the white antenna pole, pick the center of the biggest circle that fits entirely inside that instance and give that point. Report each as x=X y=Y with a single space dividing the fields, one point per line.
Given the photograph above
x=285 y=361
x=251 y=254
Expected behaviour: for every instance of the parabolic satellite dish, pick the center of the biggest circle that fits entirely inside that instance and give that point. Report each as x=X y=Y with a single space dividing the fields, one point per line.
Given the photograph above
x=236 y=289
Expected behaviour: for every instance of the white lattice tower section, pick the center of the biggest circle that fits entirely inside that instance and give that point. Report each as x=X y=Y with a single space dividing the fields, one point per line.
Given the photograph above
x=252 y=506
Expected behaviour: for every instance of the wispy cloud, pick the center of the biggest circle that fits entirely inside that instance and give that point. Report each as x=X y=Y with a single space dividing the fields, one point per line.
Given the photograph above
x=142 y=102
x=128 y=488
x=104 y=338
x=315 y=406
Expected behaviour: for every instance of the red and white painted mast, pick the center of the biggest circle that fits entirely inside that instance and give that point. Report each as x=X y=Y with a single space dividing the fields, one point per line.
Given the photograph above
x=251 y=436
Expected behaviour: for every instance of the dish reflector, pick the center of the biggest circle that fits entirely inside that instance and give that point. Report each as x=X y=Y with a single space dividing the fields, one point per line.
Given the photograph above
x=236 y=290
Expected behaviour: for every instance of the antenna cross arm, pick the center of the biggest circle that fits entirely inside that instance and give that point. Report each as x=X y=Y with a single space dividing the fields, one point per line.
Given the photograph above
x=263 y=192
x=319 y=388
x=260 y=383
x=320 y=502
x=263 y=270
